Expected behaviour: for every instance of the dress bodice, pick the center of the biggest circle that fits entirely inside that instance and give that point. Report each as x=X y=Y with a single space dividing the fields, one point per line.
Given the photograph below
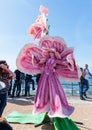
x=50 y=64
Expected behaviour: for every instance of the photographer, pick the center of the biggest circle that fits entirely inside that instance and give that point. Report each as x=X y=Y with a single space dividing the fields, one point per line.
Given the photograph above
x=5 y=77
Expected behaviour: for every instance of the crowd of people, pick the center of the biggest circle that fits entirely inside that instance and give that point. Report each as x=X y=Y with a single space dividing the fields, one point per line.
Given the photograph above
x=84 y=82
x=22 y=81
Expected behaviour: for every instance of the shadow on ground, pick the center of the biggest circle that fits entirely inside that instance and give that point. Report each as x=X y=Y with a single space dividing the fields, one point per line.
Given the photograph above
x=22 y=101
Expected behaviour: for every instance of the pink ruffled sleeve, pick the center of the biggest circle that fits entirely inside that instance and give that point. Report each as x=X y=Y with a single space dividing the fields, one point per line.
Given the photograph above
x=28 y=59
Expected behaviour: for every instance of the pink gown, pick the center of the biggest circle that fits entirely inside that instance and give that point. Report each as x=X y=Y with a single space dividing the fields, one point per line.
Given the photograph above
x=34 y=59
x=50 y=96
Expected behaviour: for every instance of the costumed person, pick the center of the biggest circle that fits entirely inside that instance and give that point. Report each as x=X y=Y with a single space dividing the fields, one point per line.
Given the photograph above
x=5 y=77
x=52 y=59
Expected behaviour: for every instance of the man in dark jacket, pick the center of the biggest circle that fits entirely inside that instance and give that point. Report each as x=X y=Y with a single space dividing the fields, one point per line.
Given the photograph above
x=17 y=84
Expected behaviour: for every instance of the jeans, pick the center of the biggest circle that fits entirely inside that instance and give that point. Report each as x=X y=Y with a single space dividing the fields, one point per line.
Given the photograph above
x=3 y=102
x=86 y=86
x=81 y=89
x=27 y=86
x=17 y=85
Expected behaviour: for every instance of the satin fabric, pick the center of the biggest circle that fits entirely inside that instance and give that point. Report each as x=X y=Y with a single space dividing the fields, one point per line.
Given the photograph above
x=50 y=96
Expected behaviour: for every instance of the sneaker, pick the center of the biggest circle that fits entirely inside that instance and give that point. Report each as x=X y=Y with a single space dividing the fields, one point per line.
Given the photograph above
x=82 y=98
x=85 y=95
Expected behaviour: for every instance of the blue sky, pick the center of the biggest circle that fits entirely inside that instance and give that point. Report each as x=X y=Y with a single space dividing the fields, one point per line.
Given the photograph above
x=70 y=19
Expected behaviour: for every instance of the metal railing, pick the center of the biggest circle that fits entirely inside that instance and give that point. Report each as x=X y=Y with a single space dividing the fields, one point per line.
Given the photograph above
x=70 y=88
x=73 y=88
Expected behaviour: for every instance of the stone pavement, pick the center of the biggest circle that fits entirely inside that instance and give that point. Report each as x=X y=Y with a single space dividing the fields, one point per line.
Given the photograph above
x=82 y=113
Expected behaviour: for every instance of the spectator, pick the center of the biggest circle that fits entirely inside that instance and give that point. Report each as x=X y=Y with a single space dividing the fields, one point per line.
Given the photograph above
x=5 y=77
x=10 y=88
x=82 y=84
x=17 y=84
x=28 y=81
x=37 y=78
x=87 y=74
x=22 y=82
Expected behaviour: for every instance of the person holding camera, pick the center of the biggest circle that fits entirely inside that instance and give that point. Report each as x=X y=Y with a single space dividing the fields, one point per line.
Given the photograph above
x=5 y=77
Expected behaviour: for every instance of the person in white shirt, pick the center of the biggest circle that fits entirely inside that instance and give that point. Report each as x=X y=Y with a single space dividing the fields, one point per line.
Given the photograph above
x=87 y=75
